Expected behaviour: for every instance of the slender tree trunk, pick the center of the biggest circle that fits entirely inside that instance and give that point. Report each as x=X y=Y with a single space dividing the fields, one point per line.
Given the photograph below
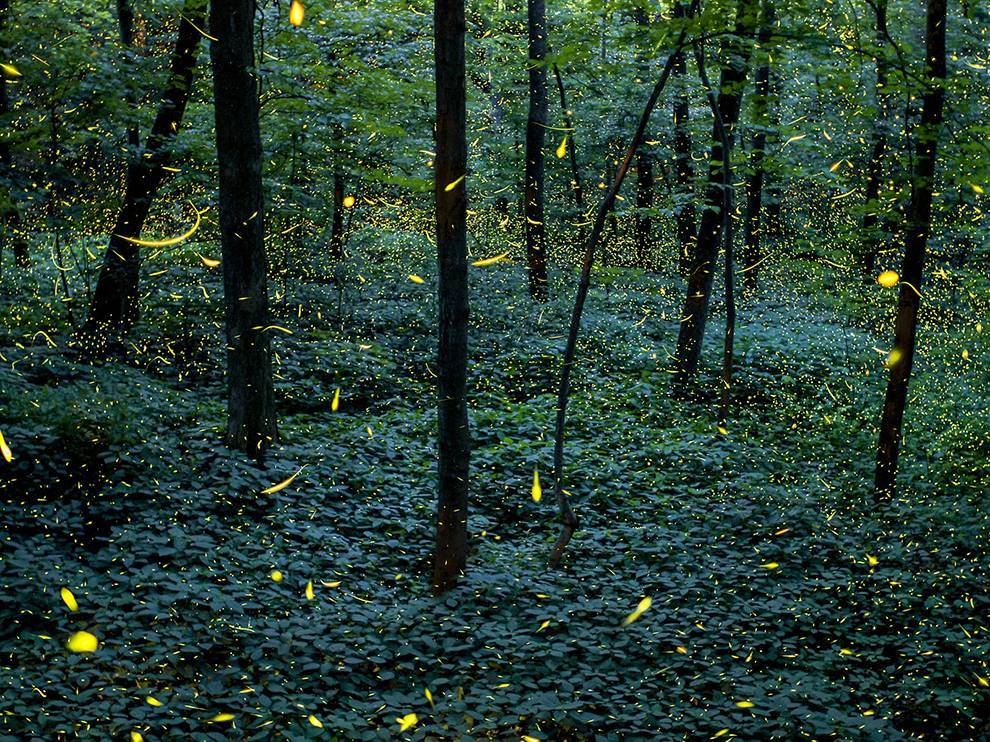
x=773 y=220
x=644 y=168
x=569 y=521
x=251 y=425
x=684 y=210
x=644 y=202
x=11 y=212
x=756 y=175
x=114 y=308
x=535 y=138
x=919 y=222
x=727 y=209
x=875 y=169
x=125 y=22
x=450 y=166
x=337 y=228
x=571 y=143
x=54 y=221
x=695 y=314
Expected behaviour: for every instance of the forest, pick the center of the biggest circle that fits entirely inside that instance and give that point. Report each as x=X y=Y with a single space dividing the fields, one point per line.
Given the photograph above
x=504 y=369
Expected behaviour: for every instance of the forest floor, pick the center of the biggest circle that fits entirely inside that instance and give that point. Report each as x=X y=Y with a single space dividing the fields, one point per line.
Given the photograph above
x=785 y=602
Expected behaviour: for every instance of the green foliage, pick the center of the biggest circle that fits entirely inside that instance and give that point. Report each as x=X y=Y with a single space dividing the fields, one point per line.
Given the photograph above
x=120 y=491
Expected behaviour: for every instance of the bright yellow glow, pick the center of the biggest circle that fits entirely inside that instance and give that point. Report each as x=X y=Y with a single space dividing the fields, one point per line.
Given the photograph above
x=69 y=599
x=281 y=485
x=169 y=242
x=888 y=279
x=82 y=641
x=296 y=13
x=407 y=721
x=643 y=606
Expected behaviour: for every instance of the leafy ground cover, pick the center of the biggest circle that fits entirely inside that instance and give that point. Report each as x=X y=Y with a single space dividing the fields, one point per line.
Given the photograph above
x=785 y=603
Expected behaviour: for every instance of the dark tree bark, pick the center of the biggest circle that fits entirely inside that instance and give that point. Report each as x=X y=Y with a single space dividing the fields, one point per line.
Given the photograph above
x=685 y=214
x=450 y=167
x=695 y=315
x=919 y=223
x=125 y=22
x=644 y=170
x=773 y=215
x=727 y=209
x=755 y=177
x=875 y=169
x=576 y=184
x=251 y=425
x=337 y=228
x=536 y=124
x=114 y=307
x=569 y=521
x=11 y=212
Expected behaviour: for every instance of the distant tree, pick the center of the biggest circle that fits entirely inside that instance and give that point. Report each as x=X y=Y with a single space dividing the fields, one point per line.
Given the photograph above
x=644 y=161
x=536 y=126
x=901 y=358
x=251 y=424
x=450 y=196
x=752 y=229
x=737 y=50
x=337 y=223
x=881 y=123
x=571 y=144
x=684 y=209
x=114 y=306
x=9 y=210
x=125 y=23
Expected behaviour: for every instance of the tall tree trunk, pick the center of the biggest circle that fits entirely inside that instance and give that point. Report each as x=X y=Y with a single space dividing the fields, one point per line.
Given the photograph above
x=685 y=214
x=114 y=308
x=569 y=521
x=125 y=22
x=251 y=425
x=644 y=167
x=450 y=166
x=695 y=314
x=576 y=184
x=536 y=254
x=919 y=222
x=11 y=212
x=755 y=177
x=773 y=220
x=337 y=228
x=875 y=170
x=727 y=217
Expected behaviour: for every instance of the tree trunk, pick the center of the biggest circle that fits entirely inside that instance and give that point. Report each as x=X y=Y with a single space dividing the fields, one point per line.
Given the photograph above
x=695 y=314
x=251 y=425
x=125 y=22
x=535 y=138
x=450 y=166
x=755 y=177
x=685 y=214
x=902 y=356
x=571 y=144
x=727 y=209
x=114 y=307
x=337 y=228
x=644 y=170
x=874 y=172
x=11 y=212
x=569 y=521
